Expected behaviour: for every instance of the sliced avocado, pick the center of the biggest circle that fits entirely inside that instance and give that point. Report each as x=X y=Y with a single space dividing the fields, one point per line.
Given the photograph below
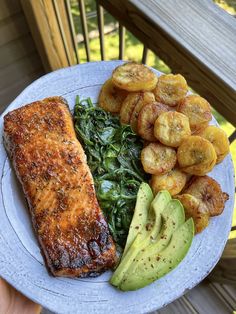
x=140 y=217
x=173 y=217
x=143 y=237
x=157 y=265
x=157 y=207
x=167 y=212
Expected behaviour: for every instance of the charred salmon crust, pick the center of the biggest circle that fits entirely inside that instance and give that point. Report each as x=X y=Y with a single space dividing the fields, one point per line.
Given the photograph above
x=51 y=166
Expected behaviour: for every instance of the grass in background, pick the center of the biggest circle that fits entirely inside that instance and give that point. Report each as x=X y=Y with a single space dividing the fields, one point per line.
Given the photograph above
x=134 y=50
x=227 y=5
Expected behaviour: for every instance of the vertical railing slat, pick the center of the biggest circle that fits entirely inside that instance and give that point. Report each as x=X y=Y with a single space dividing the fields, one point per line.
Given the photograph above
x=232 y=137
x=100 y=16
x=58 y=16
x=84 y=27
x=145 y=53
x=72 y=29
x=121 y=41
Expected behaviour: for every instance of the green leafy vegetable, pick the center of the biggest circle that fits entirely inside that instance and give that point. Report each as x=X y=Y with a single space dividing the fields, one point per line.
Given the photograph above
x=113 y=154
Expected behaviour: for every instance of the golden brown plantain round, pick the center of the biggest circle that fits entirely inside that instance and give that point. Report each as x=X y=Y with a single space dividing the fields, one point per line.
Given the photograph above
x=209 y=192
x=111 y=97
x=194 y=208
x=157 y=158
x=171 y=128
x=128 y=106
x=172 y=181
x=198 y=110
x=147 y=98
x=171 y=89
x=134 y=77
x=196 y=155
x=147 y=118
x=219 y=140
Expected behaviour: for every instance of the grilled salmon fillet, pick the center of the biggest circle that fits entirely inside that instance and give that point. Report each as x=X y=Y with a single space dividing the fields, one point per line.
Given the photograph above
x=51 y=166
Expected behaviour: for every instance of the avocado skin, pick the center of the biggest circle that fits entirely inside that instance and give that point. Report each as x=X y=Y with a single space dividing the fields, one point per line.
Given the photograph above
x=155 y=266
x=144 y=235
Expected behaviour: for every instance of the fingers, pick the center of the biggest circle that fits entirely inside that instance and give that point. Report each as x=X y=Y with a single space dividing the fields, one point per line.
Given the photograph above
x=13 y=302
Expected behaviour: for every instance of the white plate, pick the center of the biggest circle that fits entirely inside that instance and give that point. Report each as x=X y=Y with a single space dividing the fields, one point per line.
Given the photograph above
x=21 y=263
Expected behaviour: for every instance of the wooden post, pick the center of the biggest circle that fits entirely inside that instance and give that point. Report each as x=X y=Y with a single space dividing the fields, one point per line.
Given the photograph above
x=51 y=32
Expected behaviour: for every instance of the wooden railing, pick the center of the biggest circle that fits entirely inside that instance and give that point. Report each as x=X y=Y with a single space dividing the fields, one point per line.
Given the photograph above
x=205 y=58
x=51 y=15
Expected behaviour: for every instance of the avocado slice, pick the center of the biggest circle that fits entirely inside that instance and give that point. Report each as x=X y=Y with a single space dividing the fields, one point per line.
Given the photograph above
x=173 y=217
x=140 y=216
x=157 y=207
x=173 y=204
x=155 y=266
x=143 y=237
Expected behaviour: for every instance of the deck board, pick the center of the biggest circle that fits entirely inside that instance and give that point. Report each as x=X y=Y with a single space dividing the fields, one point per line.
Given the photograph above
x=203 y=299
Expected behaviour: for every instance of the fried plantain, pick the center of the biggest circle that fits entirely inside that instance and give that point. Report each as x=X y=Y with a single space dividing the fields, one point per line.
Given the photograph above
x=157 y=158
x=111 y=97
x=147 y=118
x=146 y=98
x=171 y=128
x=209 y=192
x=196 y=155
x=198 y=110
x=219 y=140
x=128 y=106
x=194 y=208
x=172 y=181
x=171 y=89
x=134 y=77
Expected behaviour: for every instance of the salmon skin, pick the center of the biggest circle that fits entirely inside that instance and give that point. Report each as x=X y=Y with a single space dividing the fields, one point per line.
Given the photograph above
x=51 y=166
